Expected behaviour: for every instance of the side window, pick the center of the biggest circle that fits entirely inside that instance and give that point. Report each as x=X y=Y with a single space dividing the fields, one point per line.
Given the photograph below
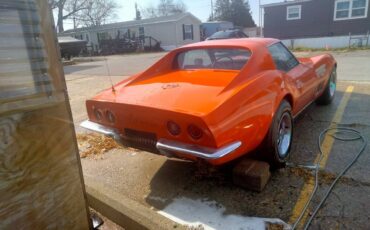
x=283 y=58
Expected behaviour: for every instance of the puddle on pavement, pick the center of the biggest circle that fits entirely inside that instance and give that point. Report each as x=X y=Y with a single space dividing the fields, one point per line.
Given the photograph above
x=200 y=214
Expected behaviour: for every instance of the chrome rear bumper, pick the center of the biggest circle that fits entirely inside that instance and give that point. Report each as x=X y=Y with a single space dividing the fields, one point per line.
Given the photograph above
x=167 y=147
x=164 y=146
x=101 y=129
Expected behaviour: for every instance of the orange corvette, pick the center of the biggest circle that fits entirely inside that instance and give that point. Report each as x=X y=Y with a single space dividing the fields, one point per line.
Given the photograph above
x=215 y=100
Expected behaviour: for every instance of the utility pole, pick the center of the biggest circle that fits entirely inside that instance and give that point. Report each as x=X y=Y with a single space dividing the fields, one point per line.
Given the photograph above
x=260 y=17
x=212 y=10
x=137 y=12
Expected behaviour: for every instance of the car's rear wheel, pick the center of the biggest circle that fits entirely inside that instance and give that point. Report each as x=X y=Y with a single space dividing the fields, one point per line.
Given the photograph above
x=328 y=95
x=279 y=138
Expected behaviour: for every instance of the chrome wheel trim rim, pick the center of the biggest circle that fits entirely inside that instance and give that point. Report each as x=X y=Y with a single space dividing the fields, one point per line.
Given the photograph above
x=284 y=135
x=332 y=85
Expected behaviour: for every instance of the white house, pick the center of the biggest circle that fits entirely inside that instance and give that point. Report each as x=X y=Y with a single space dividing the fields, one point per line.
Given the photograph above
x=172 y=31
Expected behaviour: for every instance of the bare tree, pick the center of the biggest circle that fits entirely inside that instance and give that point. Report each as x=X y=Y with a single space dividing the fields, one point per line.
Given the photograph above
x=169 y=7
x=179 y=7
x=53 y=3
x=75 y=7
x=165 y=8
x=66 y=9
x=149 y=12
x=97 y=12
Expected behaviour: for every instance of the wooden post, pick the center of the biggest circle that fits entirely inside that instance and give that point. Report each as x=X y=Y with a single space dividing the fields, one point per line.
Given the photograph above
x=349 y=41
x=41 y=183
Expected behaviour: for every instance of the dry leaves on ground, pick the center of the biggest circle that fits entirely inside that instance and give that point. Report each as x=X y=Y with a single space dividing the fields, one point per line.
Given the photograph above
x=92 y=144
x=274 y=226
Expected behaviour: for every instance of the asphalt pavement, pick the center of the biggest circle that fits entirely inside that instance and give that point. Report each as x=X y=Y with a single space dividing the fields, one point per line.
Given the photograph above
x=115 y=65
x=352 y=66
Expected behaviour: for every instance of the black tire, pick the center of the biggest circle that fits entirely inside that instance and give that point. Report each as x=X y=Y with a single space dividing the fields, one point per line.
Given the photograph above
x=272 y=152
x=328 y=95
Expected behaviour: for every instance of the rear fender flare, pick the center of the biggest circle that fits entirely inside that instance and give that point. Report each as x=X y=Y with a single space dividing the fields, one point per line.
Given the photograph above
x=283 y=96
x=280 y=86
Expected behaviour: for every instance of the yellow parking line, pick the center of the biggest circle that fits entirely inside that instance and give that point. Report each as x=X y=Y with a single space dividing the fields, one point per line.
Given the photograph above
x=328 y=142
x=327 y=145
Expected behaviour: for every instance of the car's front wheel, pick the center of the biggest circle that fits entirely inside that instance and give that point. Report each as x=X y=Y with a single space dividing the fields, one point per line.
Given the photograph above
x=279 y=138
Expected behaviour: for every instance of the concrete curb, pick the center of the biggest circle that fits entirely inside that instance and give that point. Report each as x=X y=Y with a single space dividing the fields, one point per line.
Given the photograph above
x=88 y=59
x=123 y=211
x=69 y=62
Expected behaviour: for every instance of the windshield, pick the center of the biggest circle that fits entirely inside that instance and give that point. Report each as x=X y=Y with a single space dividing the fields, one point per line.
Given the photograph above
x=221 y=34
x=227 y=59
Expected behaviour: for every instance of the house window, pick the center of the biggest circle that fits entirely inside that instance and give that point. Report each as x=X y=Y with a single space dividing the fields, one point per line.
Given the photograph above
x=141 y=32
x=103 y=36
x=293 y=12
x=187 y=32
x=350 y=9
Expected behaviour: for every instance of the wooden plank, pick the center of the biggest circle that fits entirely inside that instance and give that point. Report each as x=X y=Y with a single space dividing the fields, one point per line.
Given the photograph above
x=41 y=183
x=251 y=174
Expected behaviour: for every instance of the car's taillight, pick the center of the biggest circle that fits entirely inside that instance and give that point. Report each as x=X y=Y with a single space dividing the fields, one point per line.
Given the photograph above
x=195 y=132
x=98 y=114
x=110 y=116
x=173 y=128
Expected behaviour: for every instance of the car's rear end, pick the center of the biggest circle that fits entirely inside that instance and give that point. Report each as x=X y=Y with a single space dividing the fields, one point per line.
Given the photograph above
x=166 y=111
x=155 y=130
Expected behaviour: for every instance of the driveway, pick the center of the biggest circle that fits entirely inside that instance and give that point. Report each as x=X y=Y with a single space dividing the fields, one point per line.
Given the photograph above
x=352 y=65
x=116 y=65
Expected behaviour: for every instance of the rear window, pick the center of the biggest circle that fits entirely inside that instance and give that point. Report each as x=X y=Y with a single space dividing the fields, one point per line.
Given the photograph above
x=227 y=59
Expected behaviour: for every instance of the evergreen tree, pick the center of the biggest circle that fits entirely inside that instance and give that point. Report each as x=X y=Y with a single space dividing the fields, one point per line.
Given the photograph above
x=235 y=11
x=223 y=11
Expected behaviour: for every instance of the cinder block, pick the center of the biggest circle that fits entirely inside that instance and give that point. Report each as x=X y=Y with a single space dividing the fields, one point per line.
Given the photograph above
x=251 y=174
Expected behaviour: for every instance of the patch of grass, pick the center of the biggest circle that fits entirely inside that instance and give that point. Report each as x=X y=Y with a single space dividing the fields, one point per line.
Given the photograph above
x=346 y=49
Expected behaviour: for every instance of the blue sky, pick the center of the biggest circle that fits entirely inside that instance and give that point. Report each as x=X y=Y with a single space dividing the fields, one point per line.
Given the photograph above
x=200 y=8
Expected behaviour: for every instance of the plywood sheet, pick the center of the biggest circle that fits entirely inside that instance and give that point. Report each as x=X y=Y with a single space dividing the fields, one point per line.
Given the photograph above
x=41 y=183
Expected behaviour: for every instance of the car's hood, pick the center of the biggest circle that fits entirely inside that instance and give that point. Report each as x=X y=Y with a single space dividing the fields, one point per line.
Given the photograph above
x=190 y=91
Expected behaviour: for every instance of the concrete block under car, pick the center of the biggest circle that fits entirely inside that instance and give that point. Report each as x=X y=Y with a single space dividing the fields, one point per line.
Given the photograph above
x=251 y=174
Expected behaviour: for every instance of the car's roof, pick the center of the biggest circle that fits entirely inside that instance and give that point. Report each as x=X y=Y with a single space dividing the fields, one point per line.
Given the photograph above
x=241 y=42
x=230 y=30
